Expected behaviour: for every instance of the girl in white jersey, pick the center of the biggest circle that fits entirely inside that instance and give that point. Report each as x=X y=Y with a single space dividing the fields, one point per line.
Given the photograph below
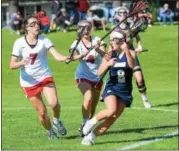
x=86 y=73
x=30 y=55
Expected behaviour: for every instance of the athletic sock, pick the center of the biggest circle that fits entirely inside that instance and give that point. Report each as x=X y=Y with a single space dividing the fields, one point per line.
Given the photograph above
x=94 y=120
x=84 y=121
x=56 y=120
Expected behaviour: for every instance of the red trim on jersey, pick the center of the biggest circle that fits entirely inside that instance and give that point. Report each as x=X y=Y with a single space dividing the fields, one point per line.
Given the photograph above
x=34 y=90
x=92 y=83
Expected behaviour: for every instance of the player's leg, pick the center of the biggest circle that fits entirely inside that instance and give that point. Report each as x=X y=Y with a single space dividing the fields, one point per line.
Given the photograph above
x=141 y=85
x=50 y=93
x=104 y=126
x=86 y=90
x=95 y=99
x=40 y=107
x=111 y=107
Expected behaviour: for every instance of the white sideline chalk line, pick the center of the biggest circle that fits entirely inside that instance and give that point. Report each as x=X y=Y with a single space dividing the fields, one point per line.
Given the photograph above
x=156 y=109
x=76 y=107
x=146 y=142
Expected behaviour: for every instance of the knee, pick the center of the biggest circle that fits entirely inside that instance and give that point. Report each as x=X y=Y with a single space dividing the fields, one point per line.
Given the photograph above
x=110 y=113
x=54 y=104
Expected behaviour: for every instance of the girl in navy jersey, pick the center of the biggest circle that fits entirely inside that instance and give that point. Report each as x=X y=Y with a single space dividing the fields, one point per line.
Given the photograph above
x=117 y=93
x=30 y=55
x=125 y=27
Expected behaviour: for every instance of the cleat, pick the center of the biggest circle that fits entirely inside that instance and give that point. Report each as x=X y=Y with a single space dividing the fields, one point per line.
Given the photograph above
x=60 y=128
x=52 y=136
x=87 y=141
x=81 y=130
x=88 y=127
x=146 y=104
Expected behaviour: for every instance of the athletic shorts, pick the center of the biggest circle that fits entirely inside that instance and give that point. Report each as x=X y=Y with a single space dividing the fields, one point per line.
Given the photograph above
x=95 y=85
x=36 y=89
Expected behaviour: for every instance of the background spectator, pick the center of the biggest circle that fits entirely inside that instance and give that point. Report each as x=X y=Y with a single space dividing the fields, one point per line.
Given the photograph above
x=55 y=7
x=82 y=7
x=63 y=20
x=165 y=13
x=44 y=21
x=71 y=6
x=108 y=10
x=95 y=20
x=16 y=20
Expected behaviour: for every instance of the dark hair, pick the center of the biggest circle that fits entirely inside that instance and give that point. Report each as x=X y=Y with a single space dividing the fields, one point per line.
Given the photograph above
x=29 y=17
x=26 y=21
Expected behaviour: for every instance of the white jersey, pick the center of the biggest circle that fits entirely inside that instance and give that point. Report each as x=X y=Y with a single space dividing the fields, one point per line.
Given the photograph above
x=89 y=65
x=37 y=69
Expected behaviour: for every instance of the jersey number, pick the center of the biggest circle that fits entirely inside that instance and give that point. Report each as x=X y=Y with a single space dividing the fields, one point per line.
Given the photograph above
x=33 y=56
x=121 y=76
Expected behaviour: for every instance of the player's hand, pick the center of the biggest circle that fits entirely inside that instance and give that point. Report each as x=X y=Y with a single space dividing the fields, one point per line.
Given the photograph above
x=24 y=61
x=107 y=56
x=124 y=47
x=66 y=58
x=111 y=62
x=97 y=44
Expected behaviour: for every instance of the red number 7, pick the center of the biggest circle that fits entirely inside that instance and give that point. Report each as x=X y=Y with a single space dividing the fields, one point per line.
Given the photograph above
x=33 y=57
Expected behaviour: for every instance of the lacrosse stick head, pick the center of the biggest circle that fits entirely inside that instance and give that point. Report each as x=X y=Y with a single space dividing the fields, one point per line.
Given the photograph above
x=138 y=6
x=139 y=25
x=83 y=28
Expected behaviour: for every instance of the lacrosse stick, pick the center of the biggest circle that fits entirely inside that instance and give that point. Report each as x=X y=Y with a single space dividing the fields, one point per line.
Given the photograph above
x=74 y=48
x=135 y=8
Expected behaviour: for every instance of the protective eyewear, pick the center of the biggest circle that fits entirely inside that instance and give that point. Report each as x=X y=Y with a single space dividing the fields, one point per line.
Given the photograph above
x=32 y=24
x=116 y=41
x=122 y=13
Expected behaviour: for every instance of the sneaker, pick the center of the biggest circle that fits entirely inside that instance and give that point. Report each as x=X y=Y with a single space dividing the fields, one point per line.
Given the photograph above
x=81 y=130
x=52 y=135
x=87 y=141
x=60 y=128
x=146 y=104
x=88 y=127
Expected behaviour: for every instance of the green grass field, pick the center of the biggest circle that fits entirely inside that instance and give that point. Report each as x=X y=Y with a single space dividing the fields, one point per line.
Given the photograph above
x=138 y=128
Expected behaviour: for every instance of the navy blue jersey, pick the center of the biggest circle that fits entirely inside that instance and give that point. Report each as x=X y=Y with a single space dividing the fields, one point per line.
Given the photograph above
x=119 y=82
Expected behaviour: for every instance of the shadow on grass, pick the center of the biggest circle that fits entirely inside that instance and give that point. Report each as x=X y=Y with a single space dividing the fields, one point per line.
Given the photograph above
x=169 y=104
x=140 y=130
x=136 y=130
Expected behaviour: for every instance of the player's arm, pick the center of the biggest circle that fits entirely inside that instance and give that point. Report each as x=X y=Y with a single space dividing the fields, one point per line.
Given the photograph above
x=77 y=55
x=15 y=63
x=139 y=44
x=100 y=48
x=57 y=55
x=129 y=55
x=106 y=64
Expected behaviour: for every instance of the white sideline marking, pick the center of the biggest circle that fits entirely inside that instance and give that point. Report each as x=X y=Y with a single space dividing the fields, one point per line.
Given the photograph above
x=156 y=109
x=77 y=107
x=146 y=142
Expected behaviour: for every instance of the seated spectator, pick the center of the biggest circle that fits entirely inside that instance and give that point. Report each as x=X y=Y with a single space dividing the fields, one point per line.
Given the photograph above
x=83 y=6
x=71 y=6
x=108 y=11
x=95 y=20
x=165 y=13
x=16 y=20
x=63 y=20
x=44 y=21
x=55 y=9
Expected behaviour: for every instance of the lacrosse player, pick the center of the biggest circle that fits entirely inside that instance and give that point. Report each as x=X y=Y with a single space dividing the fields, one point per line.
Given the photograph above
x=30 y=55
x=86 y=73
x=130 y=33
x=117 y=93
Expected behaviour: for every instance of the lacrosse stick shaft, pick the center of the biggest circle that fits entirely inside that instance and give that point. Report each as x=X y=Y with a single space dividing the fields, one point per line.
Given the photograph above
x=74 y=49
